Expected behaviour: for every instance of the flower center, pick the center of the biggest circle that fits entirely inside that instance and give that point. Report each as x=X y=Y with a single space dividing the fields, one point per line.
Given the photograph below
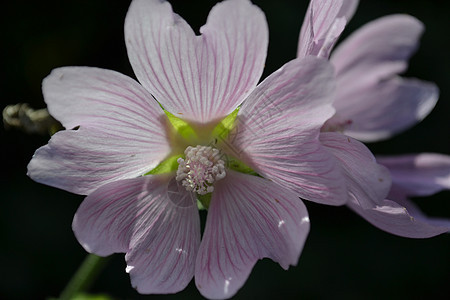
x=200 y=169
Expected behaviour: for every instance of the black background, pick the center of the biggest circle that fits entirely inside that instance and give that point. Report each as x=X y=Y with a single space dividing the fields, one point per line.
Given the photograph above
x=344 y=257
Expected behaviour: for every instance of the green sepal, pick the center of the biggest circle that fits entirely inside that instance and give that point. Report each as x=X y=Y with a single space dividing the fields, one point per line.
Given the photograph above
x=200 y=205
x=203 y=201
x=166 y=166
x=181 y=127
x=224 y=127
x=239 y=166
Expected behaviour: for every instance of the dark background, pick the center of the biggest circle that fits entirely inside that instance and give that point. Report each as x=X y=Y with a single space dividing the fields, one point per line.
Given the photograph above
x=344 y=257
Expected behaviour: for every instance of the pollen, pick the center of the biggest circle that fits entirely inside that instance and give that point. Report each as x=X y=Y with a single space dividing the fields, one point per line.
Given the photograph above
x=199 y=170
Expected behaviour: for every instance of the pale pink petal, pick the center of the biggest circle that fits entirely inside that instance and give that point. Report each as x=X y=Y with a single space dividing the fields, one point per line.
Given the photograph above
x=154 y=223
x=371 y=103
x=368 y=183
x=121 y=130
x=412 y=175
x=323 y=24
x=433 y=223
x=401 y=220
x=375 y=52
x=81 y=161
x=400 y=197
x=249 y=218
x=105 y=101
x=278 y=128
x=380 y=110
x=419 y=174
x=199 y=78
x=348 y=9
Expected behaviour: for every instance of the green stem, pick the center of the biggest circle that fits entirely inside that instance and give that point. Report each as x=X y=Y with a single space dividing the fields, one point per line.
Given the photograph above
x=84 y=277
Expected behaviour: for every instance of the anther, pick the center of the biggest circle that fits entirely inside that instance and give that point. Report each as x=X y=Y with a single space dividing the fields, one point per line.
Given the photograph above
x=200 y=169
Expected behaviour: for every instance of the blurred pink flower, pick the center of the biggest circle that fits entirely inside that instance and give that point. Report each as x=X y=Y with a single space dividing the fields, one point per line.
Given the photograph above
x=373 y=103
x=416 y=175
x=116 y=133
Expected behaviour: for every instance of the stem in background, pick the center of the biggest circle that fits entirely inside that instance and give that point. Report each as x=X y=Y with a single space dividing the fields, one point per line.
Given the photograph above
x=84 y=277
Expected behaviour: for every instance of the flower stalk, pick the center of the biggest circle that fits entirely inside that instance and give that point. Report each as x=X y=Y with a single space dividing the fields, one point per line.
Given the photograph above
x=84 y=277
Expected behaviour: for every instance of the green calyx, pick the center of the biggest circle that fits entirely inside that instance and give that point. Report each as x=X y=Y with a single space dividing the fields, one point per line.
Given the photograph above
x=183 y=134
x=166 y=166
x=239 y=166
x=181 y=127
x=203 y=201
x=222 y=129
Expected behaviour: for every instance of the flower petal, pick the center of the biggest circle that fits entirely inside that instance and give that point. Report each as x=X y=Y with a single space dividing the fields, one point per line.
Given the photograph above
x=412 y=175
x=419 y=174
x=122 y=130
x=278 y=127
x=402 y=220
x=380 y=110
x=368 y=183
x=323 y=24
x=249 y=218
x=348 y=9
x=375 y=52
x=104 y=100
x=148 y=218
x=198 y=78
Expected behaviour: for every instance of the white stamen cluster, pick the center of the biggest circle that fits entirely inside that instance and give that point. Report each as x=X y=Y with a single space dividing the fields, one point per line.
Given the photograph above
x=200 y=169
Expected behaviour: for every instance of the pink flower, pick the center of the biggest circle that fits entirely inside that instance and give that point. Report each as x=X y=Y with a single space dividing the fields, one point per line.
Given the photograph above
x=116 y=133
x=412 y=176
x=373 y=103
